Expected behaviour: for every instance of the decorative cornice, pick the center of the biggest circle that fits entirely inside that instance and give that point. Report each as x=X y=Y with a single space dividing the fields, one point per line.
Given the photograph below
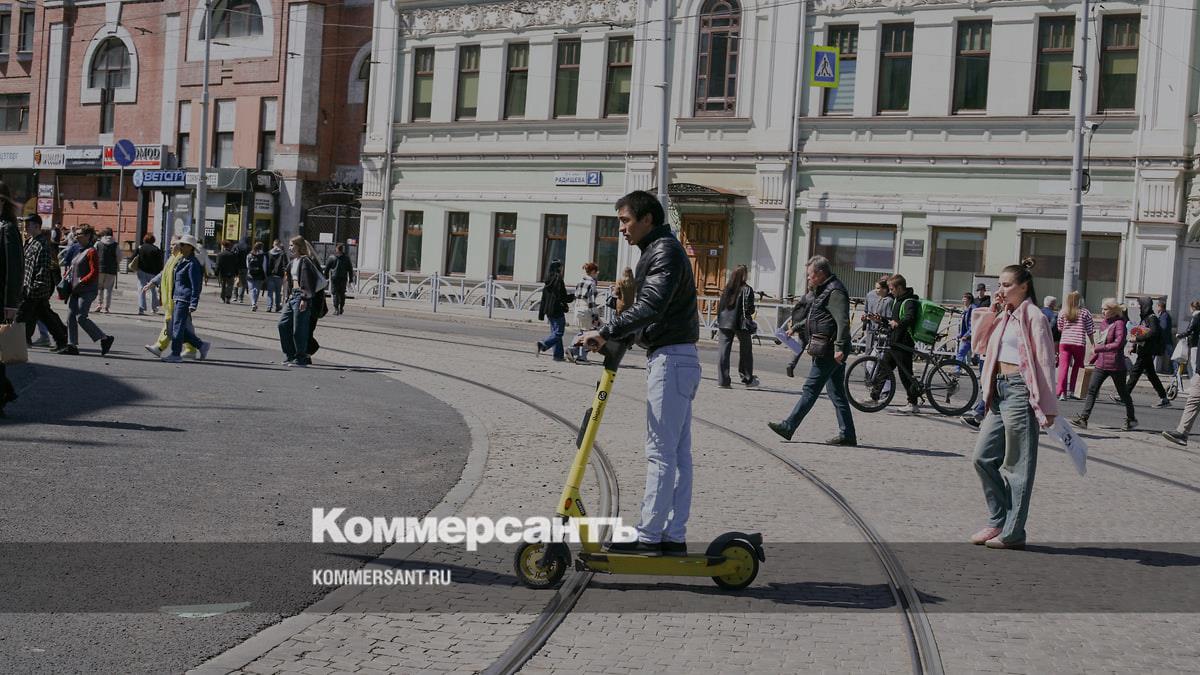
x=519 y=15
x=830 y=6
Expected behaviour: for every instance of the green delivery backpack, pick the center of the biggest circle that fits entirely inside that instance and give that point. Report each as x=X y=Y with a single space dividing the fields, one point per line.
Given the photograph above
x=929 y=320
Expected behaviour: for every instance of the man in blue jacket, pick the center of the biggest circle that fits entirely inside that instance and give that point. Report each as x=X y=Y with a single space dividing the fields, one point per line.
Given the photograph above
x=189 y=279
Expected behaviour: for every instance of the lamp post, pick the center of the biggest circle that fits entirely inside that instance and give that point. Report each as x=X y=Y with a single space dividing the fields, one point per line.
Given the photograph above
x=665 y=121
x=202 y=181
x=1075 y=215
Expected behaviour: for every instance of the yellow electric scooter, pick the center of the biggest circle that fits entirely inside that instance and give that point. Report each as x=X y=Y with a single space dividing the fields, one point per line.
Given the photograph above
x=731 y=559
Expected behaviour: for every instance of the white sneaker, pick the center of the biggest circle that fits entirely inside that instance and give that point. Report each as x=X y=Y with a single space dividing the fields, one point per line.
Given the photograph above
x=153 y=350
x=910 y=409
x=172 y=358
x=1062 y=397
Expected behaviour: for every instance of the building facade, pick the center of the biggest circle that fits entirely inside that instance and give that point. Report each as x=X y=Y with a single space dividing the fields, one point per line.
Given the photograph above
x=501 y=133
x=286 y=111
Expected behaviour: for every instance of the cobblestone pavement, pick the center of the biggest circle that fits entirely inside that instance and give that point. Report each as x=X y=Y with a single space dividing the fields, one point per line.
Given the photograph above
x=911 y=480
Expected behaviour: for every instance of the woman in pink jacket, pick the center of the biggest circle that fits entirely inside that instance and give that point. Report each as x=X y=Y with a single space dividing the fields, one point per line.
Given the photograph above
x=1020 y=397
x=1109 y=357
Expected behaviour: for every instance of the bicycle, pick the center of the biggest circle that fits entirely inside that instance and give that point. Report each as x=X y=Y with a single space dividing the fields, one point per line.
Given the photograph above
x=949 y=385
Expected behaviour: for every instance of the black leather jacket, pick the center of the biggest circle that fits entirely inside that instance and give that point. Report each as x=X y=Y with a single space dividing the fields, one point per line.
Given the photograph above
x=664 y=311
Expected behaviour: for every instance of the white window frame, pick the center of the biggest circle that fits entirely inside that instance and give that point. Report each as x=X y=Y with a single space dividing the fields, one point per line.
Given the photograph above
x=356 y=93
x=126 y=94
x=251 y=47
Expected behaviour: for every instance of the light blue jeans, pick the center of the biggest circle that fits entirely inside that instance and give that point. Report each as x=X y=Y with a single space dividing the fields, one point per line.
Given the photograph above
x=274 y=284
x=1008 y=439
x=143 y=279
x=256 y=287
x=672 y=377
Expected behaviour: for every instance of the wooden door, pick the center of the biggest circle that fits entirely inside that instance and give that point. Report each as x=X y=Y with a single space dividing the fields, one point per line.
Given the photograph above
x=706 y=237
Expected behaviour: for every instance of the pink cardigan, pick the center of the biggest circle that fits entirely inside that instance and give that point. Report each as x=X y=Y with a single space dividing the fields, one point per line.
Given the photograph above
x=1037 y=354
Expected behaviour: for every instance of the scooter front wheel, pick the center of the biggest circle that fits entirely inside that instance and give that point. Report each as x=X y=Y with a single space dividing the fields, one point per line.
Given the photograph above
x=527 y=563
x=745 y=561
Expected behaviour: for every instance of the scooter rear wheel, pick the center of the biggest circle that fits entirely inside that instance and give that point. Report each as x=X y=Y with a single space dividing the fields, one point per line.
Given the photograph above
x=527 y=565
x=746 y=560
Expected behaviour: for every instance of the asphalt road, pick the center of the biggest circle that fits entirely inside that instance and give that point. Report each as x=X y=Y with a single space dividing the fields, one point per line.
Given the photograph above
x=103 y=451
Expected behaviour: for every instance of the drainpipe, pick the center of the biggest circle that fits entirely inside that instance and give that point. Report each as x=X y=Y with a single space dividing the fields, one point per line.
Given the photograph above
x=794 y=169
x=665 y=121
x=385 y=253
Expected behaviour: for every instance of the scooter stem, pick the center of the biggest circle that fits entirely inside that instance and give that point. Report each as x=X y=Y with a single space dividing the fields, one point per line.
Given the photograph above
x=568 y=503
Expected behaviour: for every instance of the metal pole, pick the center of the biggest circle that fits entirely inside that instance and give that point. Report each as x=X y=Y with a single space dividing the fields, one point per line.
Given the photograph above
x=490 y=296
x=1075 y=215
x=120 y=200
x=665 y=121
x=794 y=168
x=202 y=181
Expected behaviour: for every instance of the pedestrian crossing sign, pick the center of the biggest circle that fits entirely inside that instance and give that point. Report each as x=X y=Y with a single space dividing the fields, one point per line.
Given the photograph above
x=824 y=70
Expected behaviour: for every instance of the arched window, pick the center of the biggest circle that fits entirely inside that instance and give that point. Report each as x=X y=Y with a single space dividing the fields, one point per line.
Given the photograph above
x=717 y=60
x=109 y=72
x=110 y=65
x=235 y=19
x=364 y=73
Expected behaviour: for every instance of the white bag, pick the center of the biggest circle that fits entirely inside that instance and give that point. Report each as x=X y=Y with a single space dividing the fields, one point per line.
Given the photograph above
x=1075 y=446
x=1181 y=353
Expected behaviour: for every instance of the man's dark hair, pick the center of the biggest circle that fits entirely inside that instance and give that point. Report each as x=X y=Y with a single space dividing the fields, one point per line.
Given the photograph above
x=340 y=248
x=640 y=203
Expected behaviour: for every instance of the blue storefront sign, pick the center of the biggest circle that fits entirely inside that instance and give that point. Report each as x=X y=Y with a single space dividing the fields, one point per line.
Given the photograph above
x=150 y=179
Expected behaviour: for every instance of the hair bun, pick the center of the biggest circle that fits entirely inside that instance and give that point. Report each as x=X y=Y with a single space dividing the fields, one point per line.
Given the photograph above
x=1028 y=263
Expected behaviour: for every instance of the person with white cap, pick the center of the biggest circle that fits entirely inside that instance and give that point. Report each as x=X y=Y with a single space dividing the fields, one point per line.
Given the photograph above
x=165 y=280
x=185 y=295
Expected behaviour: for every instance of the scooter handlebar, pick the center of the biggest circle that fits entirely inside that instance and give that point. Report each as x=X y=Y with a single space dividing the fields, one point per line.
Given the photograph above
x=613 y=351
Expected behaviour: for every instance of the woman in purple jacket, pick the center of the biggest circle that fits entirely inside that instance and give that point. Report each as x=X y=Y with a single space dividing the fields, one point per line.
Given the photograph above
x=1109 y=358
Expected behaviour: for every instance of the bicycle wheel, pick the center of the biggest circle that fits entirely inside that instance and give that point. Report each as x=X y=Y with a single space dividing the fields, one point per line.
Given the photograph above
x=951 y=387
x=859 y=386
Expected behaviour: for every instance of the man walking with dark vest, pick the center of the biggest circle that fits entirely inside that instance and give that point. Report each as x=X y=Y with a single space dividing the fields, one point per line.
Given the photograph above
x=827 y=327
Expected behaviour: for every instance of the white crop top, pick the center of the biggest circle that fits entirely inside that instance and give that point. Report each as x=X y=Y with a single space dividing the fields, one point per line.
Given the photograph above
x=1010 y=342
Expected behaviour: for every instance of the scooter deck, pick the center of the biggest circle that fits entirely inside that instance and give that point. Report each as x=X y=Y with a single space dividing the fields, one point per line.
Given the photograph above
x=668 y=565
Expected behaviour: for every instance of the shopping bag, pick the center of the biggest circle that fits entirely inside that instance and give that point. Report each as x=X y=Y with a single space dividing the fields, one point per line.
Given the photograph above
x=1075 y=446
x=781 y=334
x=1085 y=381
x=1180 y=354
x=12 y=344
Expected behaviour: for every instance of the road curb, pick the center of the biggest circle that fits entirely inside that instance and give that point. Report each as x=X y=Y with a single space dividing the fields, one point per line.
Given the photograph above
x=258 y=645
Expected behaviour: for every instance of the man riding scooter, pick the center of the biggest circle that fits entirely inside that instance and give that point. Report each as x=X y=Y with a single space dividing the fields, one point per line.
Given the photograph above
x=664 y=319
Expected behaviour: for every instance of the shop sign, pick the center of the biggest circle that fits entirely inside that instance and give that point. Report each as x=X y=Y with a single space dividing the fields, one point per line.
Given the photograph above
x=578 y=178
x=233 y=226
x=914 y=248
x=45 y=189
x=148 y=179
x=145 y=157
x=83 y=156
x=45 y=205
x=348 y=173
x=192 y=178
x=16 y=157
x=264 y=204
x=267 y=181
x=52 y=157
